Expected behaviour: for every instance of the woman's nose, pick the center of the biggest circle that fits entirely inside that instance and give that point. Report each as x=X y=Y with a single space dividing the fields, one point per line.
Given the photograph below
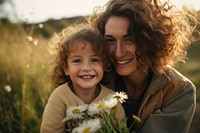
x=119 y=50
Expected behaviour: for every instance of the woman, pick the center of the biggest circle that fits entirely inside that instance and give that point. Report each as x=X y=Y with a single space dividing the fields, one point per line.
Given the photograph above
x=145 y=40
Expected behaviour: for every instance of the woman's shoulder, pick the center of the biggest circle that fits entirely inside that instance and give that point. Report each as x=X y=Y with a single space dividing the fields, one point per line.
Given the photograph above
x=176 y=77
x=177 y=84
x=172 y=84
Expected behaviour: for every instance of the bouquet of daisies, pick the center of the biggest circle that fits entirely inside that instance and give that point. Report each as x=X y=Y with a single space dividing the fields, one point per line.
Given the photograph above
x=97 y=117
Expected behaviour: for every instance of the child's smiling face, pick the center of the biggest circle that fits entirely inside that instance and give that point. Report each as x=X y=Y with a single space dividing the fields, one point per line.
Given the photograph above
x=84 y=66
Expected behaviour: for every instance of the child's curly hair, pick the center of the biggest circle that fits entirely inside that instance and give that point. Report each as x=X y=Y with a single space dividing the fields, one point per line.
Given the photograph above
x=64 y=42
x=162 y=34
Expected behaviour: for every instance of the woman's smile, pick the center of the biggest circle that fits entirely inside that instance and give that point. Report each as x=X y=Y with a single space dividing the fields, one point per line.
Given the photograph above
x=122 y=62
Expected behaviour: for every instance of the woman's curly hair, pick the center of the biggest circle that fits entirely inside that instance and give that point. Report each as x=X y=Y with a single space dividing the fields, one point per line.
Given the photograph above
x=63 y=43
x=161 y=32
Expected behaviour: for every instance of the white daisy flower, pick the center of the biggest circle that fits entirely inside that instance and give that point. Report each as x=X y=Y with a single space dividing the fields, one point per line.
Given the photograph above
x=88 y=126
x=110 y=95
x=96 y=108
x=76 y=112
x=110 y=103
x=120 y=96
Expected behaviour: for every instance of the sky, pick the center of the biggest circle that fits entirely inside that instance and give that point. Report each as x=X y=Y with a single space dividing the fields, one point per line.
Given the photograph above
x=34 y=11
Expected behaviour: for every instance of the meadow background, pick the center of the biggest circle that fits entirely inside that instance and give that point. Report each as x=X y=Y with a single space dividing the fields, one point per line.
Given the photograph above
x=25 y=65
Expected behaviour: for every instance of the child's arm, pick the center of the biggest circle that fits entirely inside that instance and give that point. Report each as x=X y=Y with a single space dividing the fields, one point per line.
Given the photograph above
x=53 y=114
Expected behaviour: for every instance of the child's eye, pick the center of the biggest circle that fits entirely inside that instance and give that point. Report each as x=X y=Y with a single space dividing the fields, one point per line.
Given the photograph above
x=76 y=60
x=96 y=60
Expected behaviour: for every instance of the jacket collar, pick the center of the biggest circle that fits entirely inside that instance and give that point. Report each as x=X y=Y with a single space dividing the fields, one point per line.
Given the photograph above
x=158 y=81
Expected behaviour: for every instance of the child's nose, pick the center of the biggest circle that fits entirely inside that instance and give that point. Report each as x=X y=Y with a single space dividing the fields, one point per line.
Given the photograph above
x=86 y=67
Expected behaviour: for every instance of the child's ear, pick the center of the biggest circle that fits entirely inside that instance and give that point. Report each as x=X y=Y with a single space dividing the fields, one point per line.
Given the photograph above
x=66 y=71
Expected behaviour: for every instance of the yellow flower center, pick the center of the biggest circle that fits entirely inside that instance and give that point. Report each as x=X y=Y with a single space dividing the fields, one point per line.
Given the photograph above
x=87 y=130
x=101 y=105
x=118 y=97
x=76 y=111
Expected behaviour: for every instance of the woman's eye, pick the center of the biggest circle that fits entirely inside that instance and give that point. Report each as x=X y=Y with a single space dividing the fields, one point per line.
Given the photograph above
x=128 y=41
x=110 y=41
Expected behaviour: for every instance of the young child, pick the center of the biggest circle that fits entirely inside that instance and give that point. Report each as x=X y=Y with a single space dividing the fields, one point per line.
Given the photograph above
x=81 y=65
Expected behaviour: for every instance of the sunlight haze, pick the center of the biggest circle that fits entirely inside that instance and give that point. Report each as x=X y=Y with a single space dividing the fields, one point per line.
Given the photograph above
x=41 y=10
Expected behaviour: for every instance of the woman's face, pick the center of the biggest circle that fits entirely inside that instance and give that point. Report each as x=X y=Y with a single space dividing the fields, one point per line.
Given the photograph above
x=122 y=49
